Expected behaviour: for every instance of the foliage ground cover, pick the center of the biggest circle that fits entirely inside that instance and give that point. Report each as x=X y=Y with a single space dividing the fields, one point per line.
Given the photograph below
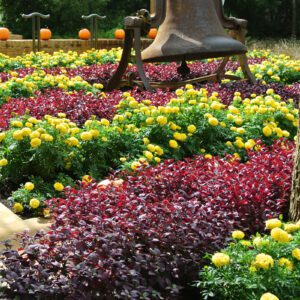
x=186 y=167
x=145 y=233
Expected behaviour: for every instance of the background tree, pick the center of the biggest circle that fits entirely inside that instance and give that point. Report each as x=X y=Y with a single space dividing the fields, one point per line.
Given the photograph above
x=295 y=196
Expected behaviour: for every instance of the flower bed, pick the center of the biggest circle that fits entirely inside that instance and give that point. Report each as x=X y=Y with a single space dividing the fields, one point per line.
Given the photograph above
x=186 y=167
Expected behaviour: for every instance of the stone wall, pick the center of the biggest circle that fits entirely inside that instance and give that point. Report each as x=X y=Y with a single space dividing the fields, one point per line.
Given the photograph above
x=18 y=47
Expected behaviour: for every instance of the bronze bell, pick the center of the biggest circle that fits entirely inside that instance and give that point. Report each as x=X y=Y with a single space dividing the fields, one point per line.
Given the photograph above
x=188 y=30
x=191 y=30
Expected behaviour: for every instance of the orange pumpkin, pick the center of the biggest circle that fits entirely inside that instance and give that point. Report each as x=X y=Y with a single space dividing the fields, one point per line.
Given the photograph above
x=120 y=34
x=84 y=34
x=45 y=34
x=4 y=34
x=152 y=33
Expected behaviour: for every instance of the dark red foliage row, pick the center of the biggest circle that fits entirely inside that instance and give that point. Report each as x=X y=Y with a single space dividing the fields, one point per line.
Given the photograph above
x=146 y=238
x=161 y=72
x=78 y=107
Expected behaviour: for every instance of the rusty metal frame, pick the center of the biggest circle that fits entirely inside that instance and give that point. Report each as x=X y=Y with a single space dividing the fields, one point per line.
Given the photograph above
x=36 y=27
x=94 y=27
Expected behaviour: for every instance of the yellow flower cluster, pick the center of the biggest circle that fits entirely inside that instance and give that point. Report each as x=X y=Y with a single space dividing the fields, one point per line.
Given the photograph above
x=220 y=259
x=263 y=261
x=71 y=59
x=269 y=296
x=39 y=80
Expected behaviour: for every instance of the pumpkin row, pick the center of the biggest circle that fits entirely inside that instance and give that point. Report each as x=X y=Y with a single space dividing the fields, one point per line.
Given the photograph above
x=83 y=34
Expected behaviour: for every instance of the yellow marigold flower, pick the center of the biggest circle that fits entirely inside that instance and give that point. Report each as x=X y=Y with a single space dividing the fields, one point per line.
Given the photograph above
x=291 y=227
x=35 y=143
x=33 y=120
x=284 y=262
x=238 y=121
x=18 y=135
x=87 y=179
x=135 y=165
x=34 y=203
x=159 y=151
x=161 y=120
x=240 y=144
x=267 y=130
x=179 y=92
x=296 y=253
x=148 y=155
x=290 y=117
x=29 y=186
x=2 y=136
x=233 y=109
x=35 y=134
x=240 y=130
x=173 y=144
x=18 y=208
x=95 y=133
x=146 y=141
x=47 y=137
x=213 y=121
x=237 y=234
x=157 y=159
x=208 y=156
x=268 y=296
x=273 y=223
x=46 y=213
x=86 y=136
x=58 y=186
x=61 y=115
x=26 y=131
x=63 y=129
x=3 y=162
x=149 y=121
x=151 y=147
x=179 y=136
x=280 y=235
x=220 y=259
x=105 y=122
x=73 y=141
x=16 y=124
x=263 y=261
x=191 y=128
x=285 y=133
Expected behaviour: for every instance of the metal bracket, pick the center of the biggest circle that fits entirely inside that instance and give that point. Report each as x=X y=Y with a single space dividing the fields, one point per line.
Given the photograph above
x=36 y=27
x=94 y=27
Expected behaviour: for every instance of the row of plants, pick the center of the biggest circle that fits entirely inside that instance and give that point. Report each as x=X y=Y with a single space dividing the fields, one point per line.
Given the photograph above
x=70 y=59
x=139 y=133
x=143 y=235
x=80 y=106
x=39 y=80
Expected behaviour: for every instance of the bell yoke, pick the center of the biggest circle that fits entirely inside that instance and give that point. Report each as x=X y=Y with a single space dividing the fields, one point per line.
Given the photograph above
x=188 y=30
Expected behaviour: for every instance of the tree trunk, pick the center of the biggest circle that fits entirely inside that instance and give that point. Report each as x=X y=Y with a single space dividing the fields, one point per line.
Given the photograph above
x=295 y=195
x=294 y=19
